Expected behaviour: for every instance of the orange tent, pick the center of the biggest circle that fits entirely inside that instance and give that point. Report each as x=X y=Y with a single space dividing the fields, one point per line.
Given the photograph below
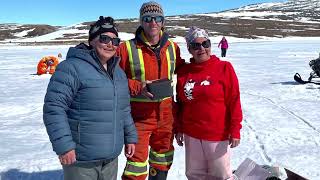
x=47 y=65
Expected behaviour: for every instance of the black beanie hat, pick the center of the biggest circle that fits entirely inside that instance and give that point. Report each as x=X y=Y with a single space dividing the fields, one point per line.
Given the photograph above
x=104 y=24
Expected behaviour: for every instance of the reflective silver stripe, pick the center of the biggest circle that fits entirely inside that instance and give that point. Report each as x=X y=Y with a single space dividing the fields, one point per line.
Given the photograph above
x=144 y=99
x=138 y=170
x=160 y=158
x=135 y=60
x=137 y=65
x=171 y=49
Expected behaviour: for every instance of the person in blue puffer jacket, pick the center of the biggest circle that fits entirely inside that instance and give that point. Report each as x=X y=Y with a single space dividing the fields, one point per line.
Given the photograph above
x=87 y=110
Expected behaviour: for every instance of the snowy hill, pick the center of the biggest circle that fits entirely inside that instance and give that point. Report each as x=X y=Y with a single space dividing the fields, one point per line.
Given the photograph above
x=299 y=18
x=294 y=10
x=298 y=6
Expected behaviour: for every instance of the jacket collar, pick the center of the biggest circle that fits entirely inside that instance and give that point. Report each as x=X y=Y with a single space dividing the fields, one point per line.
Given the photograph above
x=200 y=66
x=88 y=54
x=141 y=39
x=111 y=63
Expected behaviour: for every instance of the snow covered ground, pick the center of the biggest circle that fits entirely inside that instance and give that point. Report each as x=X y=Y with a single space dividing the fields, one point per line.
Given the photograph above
x=281 y=123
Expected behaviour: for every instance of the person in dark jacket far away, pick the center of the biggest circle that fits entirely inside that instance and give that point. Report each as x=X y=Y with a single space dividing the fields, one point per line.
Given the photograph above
x=87 y=108
x=210 y=115
x=224 y=46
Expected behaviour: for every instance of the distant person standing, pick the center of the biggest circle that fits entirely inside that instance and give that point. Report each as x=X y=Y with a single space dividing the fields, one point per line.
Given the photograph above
x=224 y=46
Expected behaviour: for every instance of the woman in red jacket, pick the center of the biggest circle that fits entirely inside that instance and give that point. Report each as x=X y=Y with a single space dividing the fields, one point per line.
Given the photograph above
x=210 y=115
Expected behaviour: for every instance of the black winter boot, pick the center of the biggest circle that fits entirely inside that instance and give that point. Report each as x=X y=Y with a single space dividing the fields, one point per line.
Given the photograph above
x=156 y=174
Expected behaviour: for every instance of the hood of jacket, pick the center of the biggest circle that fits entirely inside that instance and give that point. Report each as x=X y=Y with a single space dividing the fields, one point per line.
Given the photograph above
x=88 y=54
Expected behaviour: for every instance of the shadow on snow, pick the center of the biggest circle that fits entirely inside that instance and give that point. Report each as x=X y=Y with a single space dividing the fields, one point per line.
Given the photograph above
x=290 y=83
x=287 y=83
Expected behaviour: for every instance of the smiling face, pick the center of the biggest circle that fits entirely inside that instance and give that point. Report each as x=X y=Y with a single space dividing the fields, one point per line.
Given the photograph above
x=200 y=54
x=152 y=29
x=105 y=51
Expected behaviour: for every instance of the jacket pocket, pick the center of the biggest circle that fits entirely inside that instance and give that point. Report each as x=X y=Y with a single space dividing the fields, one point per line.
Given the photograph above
x=78 y=141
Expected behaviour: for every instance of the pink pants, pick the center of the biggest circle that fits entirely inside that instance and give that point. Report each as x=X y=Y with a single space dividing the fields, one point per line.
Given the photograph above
x=207 y=160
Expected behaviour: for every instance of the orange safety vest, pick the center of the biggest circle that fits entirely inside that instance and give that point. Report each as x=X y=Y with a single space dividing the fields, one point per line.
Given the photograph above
x=137 y=66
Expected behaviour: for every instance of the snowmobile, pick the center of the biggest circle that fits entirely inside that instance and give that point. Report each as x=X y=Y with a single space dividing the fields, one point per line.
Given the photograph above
x=315 y=73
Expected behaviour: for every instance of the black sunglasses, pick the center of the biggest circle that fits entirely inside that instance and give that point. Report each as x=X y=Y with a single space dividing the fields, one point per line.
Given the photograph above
x=106 y=39
x=157 y=19
x=197 y=46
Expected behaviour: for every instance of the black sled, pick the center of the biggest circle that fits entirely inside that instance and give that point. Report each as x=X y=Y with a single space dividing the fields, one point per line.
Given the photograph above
x=299 y=80
x=315 y=73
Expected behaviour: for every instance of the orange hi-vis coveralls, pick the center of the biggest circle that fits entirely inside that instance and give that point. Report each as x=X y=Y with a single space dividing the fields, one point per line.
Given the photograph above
x=153 y=118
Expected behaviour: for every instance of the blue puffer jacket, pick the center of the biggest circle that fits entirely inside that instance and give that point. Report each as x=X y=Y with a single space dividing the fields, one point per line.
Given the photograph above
x=87 y=108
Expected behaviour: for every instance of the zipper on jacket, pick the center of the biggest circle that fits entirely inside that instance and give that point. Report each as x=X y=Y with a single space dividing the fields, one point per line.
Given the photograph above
x=107 y=75
x=157 y=52
x=115 y=108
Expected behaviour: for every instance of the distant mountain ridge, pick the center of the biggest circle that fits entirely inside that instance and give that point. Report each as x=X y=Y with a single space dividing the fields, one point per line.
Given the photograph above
x=291 y=18
x=294 y=9
x=290 y=6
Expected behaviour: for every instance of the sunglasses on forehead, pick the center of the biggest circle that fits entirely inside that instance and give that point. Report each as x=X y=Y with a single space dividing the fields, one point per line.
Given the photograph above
x=157 y=19
x=106 y=39
x=197 y=46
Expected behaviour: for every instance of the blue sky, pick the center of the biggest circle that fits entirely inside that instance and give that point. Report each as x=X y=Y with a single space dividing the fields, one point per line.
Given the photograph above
x=67 y=12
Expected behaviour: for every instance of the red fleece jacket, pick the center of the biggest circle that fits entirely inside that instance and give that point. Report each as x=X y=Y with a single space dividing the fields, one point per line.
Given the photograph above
x=214 y=113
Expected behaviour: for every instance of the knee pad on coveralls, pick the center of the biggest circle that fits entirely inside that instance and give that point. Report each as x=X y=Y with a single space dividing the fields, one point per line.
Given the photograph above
x=156 y=174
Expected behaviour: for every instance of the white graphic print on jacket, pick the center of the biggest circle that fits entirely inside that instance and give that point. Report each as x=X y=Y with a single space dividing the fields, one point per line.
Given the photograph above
x=188 y=87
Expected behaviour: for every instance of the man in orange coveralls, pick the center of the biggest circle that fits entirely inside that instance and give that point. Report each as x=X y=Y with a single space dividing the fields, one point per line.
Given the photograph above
x=147 y=57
